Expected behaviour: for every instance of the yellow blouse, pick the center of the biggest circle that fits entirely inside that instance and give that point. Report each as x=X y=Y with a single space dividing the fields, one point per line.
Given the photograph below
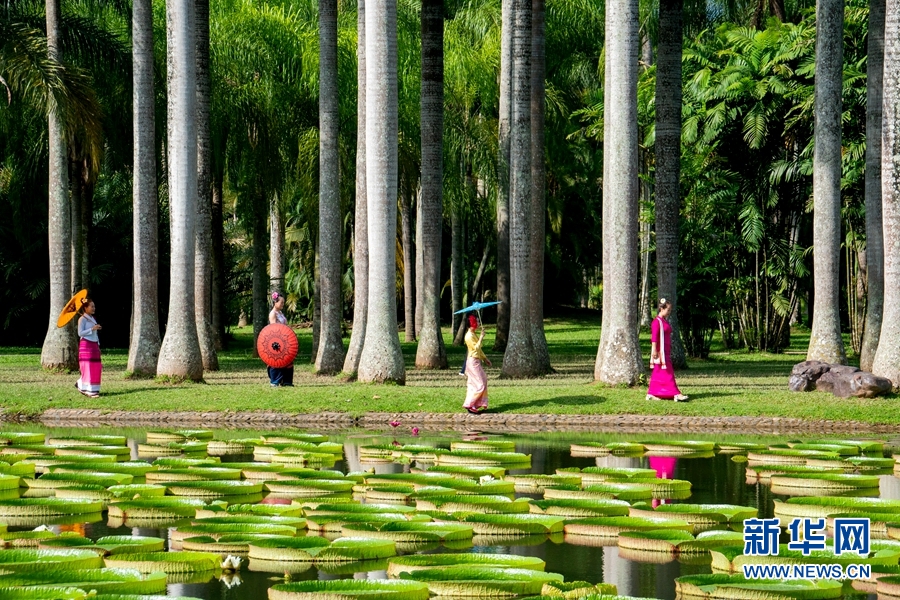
x=474 y=346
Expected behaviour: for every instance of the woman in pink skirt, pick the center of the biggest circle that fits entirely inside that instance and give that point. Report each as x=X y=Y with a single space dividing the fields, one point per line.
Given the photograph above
x=476 y=388
x=89 y=352
x=662 y=377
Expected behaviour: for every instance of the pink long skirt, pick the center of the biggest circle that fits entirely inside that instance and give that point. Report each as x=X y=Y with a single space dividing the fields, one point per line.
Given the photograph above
x=662 y=383
x=91 y=367
x=476 y=386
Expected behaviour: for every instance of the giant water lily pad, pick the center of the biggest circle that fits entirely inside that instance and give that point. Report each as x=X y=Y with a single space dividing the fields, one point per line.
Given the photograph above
x=410 y=531
x=613 y=526
x=530 y=524
x=482 y=582
x=735 y=587
x=27 y=560
x=312 y=549
x=111 y=581
x=167 y=562
x=350 y=588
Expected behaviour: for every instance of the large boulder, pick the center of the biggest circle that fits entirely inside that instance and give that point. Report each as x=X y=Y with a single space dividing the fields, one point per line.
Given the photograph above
x=860 y=384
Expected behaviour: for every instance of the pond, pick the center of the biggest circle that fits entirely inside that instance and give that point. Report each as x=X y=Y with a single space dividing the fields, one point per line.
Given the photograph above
x=716 y=477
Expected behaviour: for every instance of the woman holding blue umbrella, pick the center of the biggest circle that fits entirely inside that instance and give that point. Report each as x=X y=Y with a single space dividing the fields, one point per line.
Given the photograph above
x=476 y=385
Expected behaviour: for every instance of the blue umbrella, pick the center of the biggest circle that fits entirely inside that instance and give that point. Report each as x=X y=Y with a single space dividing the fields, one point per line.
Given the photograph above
x=476 y=306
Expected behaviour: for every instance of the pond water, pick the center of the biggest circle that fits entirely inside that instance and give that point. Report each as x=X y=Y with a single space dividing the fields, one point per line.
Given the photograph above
x=715 y=480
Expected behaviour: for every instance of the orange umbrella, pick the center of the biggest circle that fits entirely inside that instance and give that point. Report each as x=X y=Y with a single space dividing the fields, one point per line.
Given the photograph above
x=277 y=345
x=71 y=309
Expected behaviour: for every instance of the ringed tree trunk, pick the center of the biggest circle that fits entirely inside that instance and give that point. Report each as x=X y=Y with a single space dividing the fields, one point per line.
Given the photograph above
x=419 y=260
x=259 y=278
x=431 y=353
x=75 y=189
x=330 y=355
x=520 y=360
x=203 y=261
x=825 y=341
x=143 y=349
x=456 y=268
x=460 y=337
x=668 y=162
x=360 y=221
x=87 y=220
x=619 y=353
x=179 y=356
x=887 y=357
x=874 y=235
x=646 y=197
x=276 y=246
x=409 y=264
x=538 y=184
x=59 y=350
x=217 y=311
x=382 y=359
x=503 y=283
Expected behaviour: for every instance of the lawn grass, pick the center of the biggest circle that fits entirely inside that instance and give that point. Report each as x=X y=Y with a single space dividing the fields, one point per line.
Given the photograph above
x=727 y=384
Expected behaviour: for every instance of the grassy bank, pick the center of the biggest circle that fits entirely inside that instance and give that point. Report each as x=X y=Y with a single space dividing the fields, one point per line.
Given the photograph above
x=729 y=383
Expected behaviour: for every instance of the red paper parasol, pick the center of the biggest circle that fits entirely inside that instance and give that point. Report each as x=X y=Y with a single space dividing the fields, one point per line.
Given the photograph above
x=277 y=345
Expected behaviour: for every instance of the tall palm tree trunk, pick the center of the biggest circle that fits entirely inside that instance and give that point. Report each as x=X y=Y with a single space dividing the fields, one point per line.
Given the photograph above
x=456 y=268
x=179 y=356
x=409 y=264
x=420 y=267
x=330 y=356
x=75 y=192
x=874 y=235
x=520 y=360
x=825 y=341
x=203 y=261
x=87 y=220
x=503 y=283
x=668 y=162
x=382 y=359
x=431 y=353
x=887 y=357
x=360 y=221
x=143 y=349
x=276 y=246
x=59 y=349
x=259 y=291
x=538 y=185
x=619 y=354
x=217 y=312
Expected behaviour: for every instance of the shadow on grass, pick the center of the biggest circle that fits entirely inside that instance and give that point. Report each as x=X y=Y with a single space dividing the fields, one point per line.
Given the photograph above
x=129 y=391
x=558 y=400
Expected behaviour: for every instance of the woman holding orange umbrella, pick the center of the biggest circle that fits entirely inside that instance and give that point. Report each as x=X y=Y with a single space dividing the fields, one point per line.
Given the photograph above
x=89 y=351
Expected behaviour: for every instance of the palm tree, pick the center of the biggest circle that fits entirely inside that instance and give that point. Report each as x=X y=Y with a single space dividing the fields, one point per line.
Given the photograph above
x=330 y=356
x=520 y=359
x=143 y=350
x=874 y=236
x=668 y=161
x=179 y=356
x=360 y=222
x=203 y=259
x=825 y=341
x=503 y=283
x=430 y=353
x=538 y=182
x=619 y=354
x=58 y=351
x=382 y=359
x=276 y=245
x=887 y=358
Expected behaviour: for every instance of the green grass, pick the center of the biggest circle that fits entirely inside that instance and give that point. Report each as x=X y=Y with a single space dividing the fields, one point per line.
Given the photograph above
x=728 y=384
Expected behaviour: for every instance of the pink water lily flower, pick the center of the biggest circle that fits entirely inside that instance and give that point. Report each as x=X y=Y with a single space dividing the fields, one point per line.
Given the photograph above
x=395 y=423
x=415 y=431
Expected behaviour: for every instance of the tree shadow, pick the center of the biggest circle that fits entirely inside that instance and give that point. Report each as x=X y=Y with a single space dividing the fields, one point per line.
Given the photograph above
x=126 y=392
x=584 y=400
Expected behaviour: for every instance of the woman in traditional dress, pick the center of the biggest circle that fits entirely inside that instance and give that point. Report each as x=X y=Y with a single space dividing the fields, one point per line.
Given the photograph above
x=662 y=377
x=476 y=386
x=285 y=375
x=89 y=351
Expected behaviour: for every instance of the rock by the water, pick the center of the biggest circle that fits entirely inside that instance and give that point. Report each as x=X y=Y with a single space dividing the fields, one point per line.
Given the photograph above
x=811 y=369
x=801 y=383
x=861 y=385
x=842 y=380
